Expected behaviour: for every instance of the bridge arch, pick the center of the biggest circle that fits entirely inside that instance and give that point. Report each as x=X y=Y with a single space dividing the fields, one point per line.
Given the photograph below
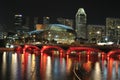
x=44 y=48
x=114 y=52
x=80 y=48
x=18 y=48
x=30 y=48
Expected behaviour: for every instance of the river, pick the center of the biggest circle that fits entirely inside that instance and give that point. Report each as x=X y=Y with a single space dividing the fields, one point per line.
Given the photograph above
x=28 y=66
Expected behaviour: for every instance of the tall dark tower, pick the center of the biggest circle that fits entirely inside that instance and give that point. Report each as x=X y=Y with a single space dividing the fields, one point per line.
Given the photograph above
x=46 y=21
x=81 y=28
x=18 y=22
x=35 y=22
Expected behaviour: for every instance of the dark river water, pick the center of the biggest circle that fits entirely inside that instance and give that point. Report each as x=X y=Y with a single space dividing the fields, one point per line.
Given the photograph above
x=27 y=66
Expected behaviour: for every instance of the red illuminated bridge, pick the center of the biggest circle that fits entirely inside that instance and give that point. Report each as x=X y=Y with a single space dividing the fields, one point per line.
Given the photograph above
x=69 y=49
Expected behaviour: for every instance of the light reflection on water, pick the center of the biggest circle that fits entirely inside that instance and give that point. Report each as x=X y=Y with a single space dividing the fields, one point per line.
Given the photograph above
x=28 y=66
x=99 y=70
x=31 y=67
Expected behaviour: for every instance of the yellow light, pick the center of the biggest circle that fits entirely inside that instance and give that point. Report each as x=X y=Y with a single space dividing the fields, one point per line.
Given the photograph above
x=98 y=32
x=118 y=26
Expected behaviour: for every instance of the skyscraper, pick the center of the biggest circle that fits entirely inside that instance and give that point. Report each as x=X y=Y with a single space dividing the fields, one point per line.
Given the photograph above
x=46 y=20
x=113 y=29
x=18 y=21
x=35 y=22
x=95 y=33
x=81 y=28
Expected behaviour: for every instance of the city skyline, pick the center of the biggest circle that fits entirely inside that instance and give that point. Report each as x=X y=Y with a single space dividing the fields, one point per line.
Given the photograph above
x=97 y=11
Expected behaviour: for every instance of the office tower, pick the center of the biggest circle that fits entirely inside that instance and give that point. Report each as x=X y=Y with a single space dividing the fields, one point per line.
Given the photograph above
x=35 y=22
x=46 y=20
x=18 y=21
x=113 y=29
x=27 y=21
x=81 y=28
x=26 y=26
x=95 y=33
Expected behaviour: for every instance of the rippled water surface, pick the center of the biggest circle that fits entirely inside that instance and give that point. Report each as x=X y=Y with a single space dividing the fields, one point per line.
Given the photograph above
x=27 y=66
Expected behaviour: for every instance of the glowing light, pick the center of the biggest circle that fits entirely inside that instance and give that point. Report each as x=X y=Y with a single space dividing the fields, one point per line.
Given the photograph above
x=98 y=32
x=48 y=67
x=105 y=43
x=68 y=64
x=4 y=63
x=87 y=66
x=14 y=66
x=97 y=73
x=118 y=26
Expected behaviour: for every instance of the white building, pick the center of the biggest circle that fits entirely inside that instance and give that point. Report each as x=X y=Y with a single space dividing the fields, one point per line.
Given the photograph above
x=81 y=28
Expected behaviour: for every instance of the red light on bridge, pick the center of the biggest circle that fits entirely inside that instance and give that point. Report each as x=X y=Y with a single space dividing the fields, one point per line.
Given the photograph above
x=88 y=52
x=119 y=57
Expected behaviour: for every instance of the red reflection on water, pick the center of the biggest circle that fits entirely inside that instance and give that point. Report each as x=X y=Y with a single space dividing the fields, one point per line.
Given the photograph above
x=43 y=66
x=110 y=67
x=24 y=65
x=47 y=67
x=87 y=66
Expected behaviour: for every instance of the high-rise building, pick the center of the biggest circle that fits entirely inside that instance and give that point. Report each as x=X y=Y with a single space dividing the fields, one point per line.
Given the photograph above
x=27 y=21
x=26 y=25
x=95 y=33
x=35 y=22
x=46 y=20
x=18 y=21
x=113 y=29
x=81 y=28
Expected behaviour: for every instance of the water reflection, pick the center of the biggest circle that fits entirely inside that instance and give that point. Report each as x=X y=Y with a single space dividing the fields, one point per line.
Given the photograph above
x=27 y=66
x=100 y=70
x=31 y=67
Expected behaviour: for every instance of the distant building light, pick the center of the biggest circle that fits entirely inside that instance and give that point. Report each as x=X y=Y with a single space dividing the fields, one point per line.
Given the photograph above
x=106 y=39
x=47 y=17
x=98 y=32
x=18 y=15
x=105 y=43
x=118 y=27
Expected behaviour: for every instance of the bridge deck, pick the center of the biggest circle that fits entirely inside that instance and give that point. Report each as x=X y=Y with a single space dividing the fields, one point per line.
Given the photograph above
x=104 y=48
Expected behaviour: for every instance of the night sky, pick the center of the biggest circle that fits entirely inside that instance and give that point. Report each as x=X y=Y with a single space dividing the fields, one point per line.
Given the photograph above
x=96 y=10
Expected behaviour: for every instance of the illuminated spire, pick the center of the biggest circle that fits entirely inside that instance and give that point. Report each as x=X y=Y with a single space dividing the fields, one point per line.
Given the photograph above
x=81 y=11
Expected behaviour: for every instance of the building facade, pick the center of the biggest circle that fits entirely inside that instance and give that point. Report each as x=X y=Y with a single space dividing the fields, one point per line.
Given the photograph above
x=113 y=29
x=53 y=33
x=18 y=22
x=81 y=28
x=46 y=20
x=95 y=33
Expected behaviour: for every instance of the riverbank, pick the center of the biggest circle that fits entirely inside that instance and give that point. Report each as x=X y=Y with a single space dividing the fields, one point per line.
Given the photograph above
x=6 y=49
